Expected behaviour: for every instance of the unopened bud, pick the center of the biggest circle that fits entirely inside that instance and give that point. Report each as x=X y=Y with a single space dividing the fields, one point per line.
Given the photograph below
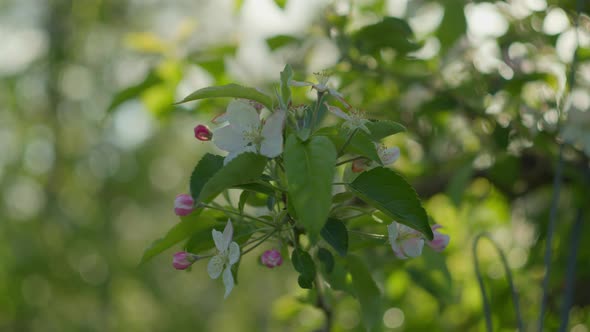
x=183 y=205
x=182 y=260
x=202 y=133
x=271 y=258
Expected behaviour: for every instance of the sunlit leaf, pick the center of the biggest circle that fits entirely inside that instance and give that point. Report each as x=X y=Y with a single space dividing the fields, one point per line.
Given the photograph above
x=386 y=190
x=309 y=168
x=232 y=91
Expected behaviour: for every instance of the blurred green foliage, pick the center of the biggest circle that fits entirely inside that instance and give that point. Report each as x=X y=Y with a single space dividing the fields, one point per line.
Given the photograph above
x=93 y=151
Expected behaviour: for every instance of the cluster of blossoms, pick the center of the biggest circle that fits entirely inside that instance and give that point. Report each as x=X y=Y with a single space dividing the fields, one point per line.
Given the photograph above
x=246 y=128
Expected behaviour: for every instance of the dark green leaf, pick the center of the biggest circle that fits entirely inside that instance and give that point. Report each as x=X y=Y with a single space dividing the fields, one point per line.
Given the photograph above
x=453 y=24
x=325 y=256
x=230 y=90
x=305 y=282
x=303 y=264
x=245 y=168
x=383 y=128
x=335 y=233
x=203 y=172
x=310 y=169
x=188 y=225
x=386 y=190
x=243 y=199
x=366 y=292
x=391 y=32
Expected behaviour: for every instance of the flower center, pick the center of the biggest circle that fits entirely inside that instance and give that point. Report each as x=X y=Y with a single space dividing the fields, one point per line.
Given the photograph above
x=253 y=136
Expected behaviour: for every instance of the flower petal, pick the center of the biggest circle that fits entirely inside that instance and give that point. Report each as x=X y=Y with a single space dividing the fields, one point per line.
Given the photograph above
x=218 y=239
x=215 y=267
x=413 y=247
x=242 y=115
x=228 y=281
x=388 y=155
x=338 y=112
x=234 y=253
x=229 y=138
x=228 y=234
x=272 y=132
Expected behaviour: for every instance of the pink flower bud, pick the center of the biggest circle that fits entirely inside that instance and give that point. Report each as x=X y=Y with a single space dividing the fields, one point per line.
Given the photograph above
x=271 y=258
x=182 y=260
x=183 y=205
x=360 y=165
x=440 y=241
x=202 y=133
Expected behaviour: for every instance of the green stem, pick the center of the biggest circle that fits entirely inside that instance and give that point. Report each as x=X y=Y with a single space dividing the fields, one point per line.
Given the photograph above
x=375 y=236
x=238 y=214
x=347 y=142
x=314 y=116
x=340 y=183
x=349 y=160
x=264 y=238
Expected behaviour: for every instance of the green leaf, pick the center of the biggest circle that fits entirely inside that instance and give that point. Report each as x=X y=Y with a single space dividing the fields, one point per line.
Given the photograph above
x=203 y=172
x=335 y=233
x=243 y=199
x=383 y=128
x=135 y=91
x=453 y=24
x=387 y=191
x=303 y=263
x=362 y=144
x=305 y=282
x=281 y=3
x=279 y=41
x=325 y=256
x=366 y=292
x=310 y=170
x=391 y=32
x=245 y=168
x=189 y=225
x=230 y=90
x=286 y=75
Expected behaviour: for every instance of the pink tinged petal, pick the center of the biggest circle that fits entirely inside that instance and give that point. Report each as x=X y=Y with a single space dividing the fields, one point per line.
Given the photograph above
x=412 y=247
x=272 y=133
x=202 y=133
x=389 y=155
x=183 y=205
x=215 y=267
x=228 y=282
x=393 y=233
x=182 y=260
x=338 y=112
x=234 y=253
x=229 y=138
x=440 y=241
x=242 y=116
